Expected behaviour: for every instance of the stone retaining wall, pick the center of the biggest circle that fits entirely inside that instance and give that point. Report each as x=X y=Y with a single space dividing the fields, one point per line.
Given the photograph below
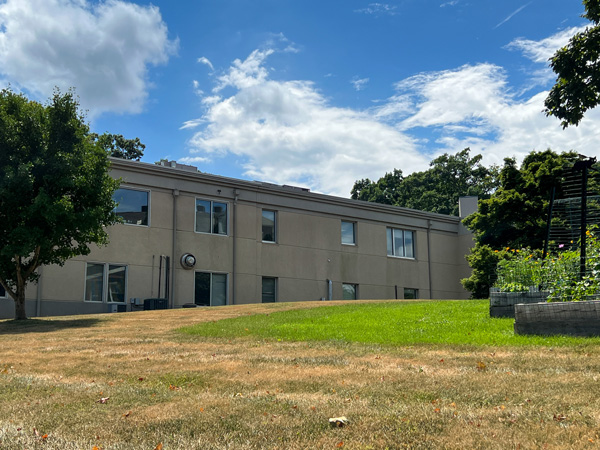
x=569 y=318
x=502 y=304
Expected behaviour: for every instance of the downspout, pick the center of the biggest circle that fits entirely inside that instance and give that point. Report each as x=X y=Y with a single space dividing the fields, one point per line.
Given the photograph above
x=236 y=195
x=171 y=293
x=429 y=258
x=38 y=298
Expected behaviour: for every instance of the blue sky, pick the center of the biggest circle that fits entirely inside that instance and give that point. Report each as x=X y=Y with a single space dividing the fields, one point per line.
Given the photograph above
x=310 y=93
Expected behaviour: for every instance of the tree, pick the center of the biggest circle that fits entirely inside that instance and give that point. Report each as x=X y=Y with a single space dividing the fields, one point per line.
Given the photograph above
x=436 y=189
x=119 y=147
x=515 y=215
x=577 y=66
x=55 y=191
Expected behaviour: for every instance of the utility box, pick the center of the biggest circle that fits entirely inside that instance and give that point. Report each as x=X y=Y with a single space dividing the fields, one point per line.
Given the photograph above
x=155 y=303
x=117 y=308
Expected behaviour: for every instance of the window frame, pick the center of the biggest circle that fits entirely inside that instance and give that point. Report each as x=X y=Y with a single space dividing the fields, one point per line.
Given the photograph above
x=274 y=241
x=275 y=289
x=211 y=274
x=212 y=202
x=148 y=192
x=354 y=286
x=106 y=283
x=393 y=236
x=354 y=233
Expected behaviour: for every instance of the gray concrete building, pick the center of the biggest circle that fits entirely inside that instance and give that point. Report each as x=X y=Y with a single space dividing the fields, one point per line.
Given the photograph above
x=195 y=238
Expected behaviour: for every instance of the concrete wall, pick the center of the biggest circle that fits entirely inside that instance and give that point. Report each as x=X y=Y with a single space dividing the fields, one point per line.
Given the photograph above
x=307 y=254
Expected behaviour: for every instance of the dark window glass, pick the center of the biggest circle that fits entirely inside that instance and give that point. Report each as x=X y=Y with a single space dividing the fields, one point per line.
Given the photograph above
x=411 y=294
x=348 y=233
x=132 y=206
x=202 y=216
x=211 y=217
x=349 y=291
x=268 y=226
x=269 y=290
x=2 y=291
x=210 y=289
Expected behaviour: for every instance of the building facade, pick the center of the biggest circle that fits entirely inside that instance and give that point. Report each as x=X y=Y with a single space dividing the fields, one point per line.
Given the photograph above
x=194 y=238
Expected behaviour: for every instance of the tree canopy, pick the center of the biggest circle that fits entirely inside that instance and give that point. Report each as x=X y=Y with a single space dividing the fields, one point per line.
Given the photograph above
x=577 y=66
x=436 y=189
x=55 y=191
x=119 y=147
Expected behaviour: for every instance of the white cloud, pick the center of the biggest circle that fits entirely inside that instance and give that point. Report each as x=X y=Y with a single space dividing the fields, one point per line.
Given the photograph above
x=103 y=50
x=377 y=9
x=288 y=132
x=542 y=51
x=204 y=60
x=514 y=13
x=359 y=83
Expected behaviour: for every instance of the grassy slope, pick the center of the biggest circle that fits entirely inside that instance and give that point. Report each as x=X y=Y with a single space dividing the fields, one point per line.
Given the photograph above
x=194 y=392
x=404 y=323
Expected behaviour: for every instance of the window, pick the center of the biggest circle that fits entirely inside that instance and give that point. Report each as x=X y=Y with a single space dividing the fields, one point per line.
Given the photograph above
x=105 y=282
x=211 y=217
x=268 y=226
x=2 y=292
x=400 y=243
x=349 y=291
x=132 y=206
x=210 y=289
x=269 y=290
x=348 y=233
x=411 y=294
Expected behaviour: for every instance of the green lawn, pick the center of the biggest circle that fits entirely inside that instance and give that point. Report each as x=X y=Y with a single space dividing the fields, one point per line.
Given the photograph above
x=464 y=322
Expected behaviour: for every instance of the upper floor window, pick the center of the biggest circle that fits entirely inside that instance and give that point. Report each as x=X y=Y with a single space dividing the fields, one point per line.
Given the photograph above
x=348 y=233
x=400 y=243
x=132 y=206
x=211 y=217
x=268 y=226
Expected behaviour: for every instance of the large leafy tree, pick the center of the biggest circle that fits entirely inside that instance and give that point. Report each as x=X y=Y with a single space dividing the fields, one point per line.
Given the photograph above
x=577 y=66
x=119 y=147
x=436 y=189
x=515 y=215
x=55 y=191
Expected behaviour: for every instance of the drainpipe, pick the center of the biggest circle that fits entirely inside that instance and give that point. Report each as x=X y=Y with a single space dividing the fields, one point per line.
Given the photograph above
x=429 y=257
x=171 y=293
x=38 y=298
x=329 y=290
x=236 y=195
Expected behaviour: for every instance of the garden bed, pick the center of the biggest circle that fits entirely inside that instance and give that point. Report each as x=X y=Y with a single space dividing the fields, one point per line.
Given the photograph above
x=566 y=318
x=502 y=304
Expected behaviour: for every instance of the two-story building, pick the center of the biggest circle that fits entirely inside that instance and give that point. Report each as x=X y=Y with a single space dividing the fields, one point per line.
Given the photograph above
x=196 y=238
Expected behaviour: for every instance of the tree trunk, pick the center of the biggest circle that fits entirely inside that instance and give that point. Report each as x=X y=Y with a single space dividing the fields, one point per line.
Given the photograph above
x=20 y=312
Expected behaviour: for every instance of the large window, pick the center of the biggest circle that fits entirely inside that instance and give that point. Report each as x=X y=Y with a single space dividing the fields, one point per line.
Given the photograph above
x=211 y=217
x=400 y=243
x=348 y=233
x=132 y=206
x=349 y=291
x=210 y=289
x=269 y=290
x=105 y=282
x=268 y=226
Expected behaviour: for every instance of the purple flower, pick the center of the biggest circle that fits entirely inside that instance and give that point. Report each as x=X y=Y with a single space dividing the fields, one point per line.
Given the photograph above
x=561 y=245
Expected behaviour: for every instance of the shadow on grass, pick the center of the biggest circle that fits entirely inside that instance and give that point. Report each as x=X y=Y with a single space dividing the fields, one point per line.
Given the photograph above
x=45 y=325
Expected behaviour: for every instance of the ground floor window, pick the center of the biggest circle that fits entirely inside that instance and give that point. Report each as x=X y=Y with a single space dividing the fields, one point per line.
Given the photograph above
x=269 y=290
x=349 y=291
x=411 y=294
x=210 y=289
x=105 y=282
x=2 y=292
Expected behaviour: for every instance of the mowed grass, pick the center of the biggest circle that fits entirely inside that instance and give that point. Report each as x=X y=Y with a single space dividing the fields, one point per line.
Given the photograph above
x=457 y=322
x=135 y=381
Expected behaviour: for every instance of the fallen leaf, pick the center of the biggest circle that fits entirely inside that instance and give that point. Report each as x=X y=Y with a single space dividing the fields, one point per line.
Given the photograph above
x=481 y=365
x=103 y=400
x=127 y=414
x=340 y=444
x=95 y=447
x=159 y=446
x=45 y=436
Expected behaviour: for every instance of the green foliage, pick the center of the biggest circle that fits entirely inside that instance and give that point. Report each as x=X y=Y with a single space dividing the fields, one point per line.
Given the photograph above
x=515 y=215
x=119 y=147
x=577 y=86
x=55 y=191
x=436 y=189
x=559 y=274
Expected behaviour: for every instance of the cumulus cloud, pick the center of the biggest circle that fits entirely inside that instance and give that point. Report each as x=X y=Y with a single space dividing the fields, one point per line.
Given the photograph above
x=102 y=49
x=288 y=132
